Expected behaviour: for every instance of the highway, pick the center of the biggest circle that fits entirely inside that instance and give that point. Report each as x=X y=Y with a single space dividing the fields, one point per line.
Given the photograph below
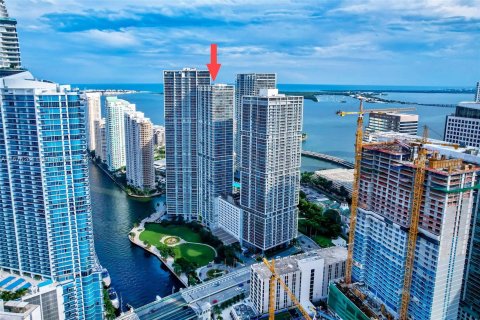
x=178 y=306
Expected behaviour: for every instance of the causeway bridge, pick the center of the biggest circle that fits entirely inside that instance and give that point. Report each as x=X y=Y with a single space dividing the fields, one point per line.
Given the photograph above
x=325 y=157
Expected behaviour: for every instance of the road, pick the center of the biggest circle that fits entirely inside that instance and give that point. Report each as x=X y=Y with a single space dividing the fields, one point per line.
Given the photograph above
x=178 y=306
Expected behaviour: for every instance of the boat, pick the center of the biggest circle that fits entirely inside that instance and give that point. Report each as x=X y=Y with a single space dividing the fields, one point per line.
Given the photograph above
x=304 y=136
x=113 y=296
x=343 y=101
x=106 y=278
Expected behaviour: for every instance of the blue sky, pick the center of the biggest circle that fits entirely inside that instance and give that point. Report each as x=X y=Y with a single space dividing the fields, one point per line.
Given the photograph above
x=389 y=42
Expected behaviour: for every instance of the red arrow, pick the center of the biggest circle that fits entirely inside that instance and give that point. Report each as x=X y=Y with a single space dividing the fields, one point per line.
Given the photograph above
x=213 y=66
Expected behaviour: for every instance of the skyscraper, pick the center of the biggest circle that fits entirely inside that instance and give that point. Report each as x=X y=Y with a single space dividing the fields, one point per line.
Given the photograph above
x=139 y=151
x=93 y=114
x=383 y=221
x=248 y=84
x=463 y=127
x=9 y=47
x=115 y=125
x=180 y=94
x=397 y=122
x=45 y=215
x=271 y=136
x=215 y=147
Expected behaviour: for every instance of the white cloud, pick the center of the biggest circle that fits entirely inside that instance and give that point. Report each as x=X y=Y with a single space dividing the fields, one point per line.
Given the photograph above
x=115 y=39
x=429 y=8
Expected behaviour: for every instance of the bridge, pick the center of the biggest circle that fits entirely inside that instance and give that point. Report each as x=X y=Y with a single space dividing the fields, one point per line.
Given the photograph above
x=326 y=157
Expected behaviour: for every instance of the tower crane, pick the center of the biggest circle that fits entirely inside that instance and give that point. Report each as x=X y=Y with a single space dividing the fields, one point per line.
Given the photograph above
x=271 y=298
x=356 y=175
x=418 y=186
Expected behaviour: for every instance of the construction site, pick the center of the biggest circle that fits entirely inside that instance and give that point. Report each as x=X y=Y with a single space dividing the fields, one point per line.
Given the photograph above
x=412 y=200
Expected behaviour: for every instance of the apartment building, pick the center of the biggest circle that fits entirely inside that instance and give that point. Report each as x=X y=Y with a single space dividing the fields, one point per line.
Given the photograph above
x=159 y=136
x=100 y=139
x=396 y=122
x=248 y=84
x=45 y=210
x=93 y=113
x=215 y=148
x=180 y=93
x=270 y=168
x=139 y=151
x=115 y=130
x=383 y=218
x=463 y=127
x=307 y=275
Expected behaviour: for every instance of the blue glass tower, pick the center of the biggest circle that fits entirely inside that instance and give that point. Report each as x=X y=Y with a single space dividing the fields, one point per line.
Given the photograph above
x=45 y=212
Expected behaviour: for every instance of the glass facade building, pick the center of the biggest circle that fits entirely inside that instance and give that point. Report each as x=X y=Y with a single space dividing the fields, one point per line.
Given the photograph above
x=248 y=84
x=271 y=135
x=180 y=94
x=9 y=46
x=45 y=210
x=215 y=147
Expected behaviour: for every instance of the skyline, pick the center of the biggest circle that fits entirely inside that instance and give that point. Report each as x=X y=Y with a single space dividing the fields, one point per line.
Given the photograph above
x=403 y=43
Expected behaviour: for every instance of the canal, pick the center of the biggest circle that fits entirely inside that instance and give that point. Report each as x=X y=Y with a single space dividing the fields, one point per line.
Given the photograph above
x=137 y=275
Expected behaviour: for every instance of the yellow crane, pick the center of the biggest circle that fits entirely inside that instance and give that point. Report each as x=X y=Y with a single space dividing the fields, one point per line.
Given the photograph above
x=271 y=298
x=356 y=175
x=418 y=186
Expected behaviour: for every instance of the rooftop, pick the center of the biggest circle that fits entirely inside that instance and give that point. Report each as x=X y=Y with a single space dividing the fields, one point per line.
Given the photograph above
x=244 y=312
x=443 y=158
x=290 y=264
x=470 y=104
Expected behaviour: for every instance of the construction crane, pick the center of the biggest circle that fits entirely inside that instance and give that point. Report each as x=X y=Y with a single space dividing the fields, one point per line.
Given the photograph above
x=418 y=186
x=271 y=298
x=356 y=176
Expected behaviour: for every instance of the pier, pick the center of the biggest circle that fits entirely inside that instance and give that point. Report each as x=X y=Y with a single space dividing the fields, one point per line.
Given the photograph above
x=325 y=157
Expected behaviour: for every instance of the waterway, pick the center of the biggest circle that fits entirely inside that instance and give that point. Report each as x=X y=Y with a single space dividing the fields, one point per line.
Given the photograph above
x=138 y=276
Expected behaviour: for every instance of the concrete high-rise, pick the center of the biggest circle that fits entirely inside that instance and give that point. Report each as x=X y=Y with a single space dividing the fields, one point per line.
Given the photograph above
x=93 y=114
x=139 y=151
x=463 y=127
x=383 y=219
x=396 y=122
x=159 y=136
x=180 y=95
x=307 y=275
x=9 y=47
x=271 y=134
x=215 y=147
x=45 y=209
x=248 y=84
x=115 y=125
x=100 y=139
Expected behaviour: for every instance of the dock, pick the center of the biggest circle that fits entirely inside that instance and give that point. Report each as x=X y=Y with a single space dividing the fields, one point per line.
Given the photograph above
x=325 y=157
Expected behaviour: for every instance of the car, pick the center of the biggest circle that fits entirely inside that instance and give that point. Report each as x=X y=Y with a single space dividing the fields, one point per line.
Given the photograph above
x=214 y=301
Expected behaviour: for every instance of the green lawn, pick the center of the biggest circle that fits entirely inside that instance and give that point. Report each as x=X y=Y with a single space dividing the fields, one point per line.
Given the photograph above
x=194 y=252
x=199 y=253
x=154 y=232
x=323 y=242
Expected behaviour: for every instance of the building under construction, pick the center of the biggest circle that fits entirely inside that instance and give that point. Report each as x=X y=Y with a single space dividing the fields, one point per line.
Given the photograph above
x=386 y=192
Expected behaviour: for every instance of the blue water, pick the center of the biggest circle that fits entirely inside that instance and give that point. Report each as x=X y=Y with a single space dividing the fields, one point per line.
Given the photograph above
x=137 y=276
